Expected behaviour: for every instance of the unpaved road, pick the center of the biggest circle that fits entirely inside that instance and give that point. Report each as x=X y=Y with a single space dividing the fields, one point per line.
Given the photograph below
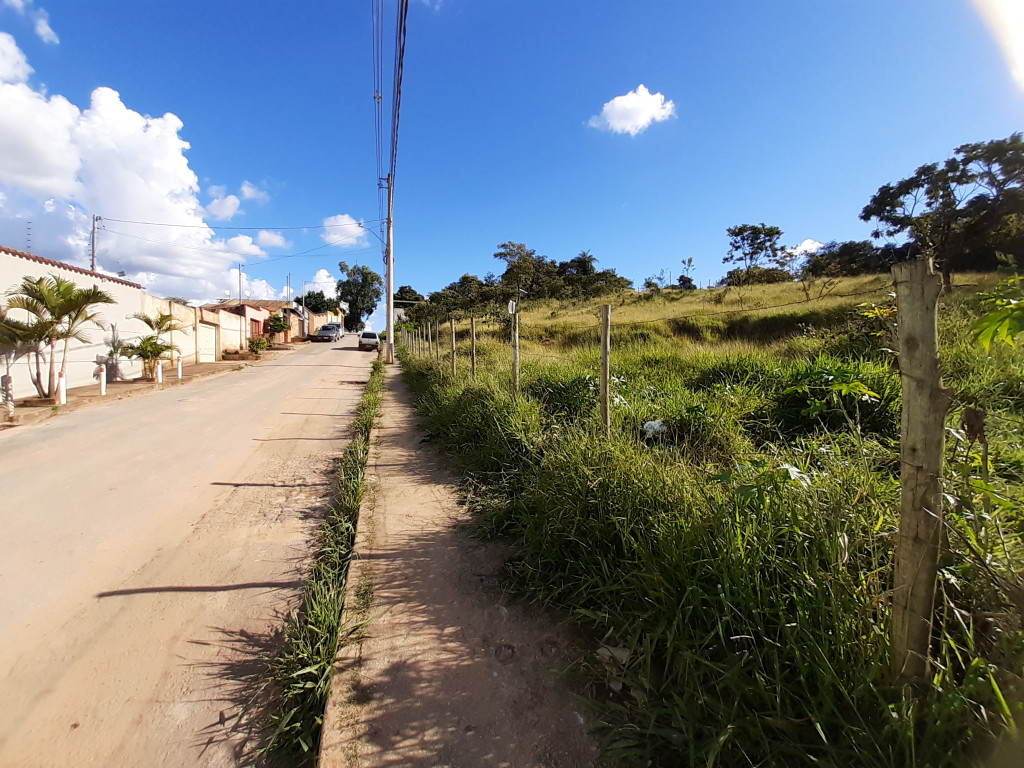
x=147 y=544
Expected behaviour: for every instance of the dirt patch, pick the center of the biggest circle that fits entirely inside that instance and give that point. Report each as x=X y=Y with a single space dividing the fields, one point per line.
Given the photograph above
x=451 y=671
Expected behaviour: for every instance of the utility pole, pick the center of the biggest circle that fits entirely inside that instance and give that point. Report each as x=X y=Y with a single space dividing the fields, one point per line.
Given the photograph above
x=305 y=322
x=95 y=220
x=389 y=353
x=241 y=312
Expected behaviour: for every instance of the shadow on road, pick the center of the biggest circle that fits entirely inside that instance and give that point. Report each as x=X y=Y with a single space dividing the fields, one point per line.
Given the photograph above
x=269 y=585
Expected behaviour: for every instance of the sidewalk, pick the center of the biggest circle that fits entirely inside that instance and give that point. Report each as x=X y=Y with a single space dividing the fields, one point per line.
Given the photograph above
x=451 y=671
x=31 y=410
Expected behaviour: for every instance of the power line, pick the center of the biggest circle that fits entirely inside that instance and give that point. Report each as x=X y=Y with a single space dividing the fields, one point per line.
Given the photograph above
x=239 y=229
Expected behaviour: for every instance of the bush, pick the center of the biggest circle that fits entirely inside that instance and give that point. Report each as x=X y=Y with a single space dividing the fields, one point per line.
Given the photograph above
x=258 y=344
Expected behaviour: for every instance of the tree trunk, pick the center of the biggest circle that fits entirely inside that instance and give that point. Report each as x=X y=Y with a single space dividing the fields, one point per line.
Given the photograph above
x=7 y=385
x=947 y=279
x=37 y=377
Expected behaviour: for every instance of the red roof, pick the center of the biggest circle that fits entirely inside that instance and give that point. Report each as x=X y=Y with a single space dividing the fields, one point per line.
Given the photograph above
x=62 y=265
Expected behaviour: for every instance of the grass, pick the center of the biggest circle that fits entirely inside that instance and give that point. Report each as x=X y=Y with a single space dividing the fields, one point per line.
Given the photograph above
x=738 y=564
x=300 y=672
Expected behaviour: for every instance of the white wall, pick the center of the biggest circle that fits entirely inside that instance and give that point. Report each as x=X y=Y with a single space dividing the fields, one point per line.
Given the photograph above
x=82 y=366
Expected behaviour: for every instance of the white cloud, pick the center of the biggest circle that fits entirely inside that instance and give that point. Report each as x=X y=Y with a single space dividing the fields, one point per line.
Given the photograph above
x=251 y=192
x=323 y=281
x=43 y=28
x=344 y=231
x=269 y=239
x=1005 y=20
x=217 y=191
x=109 y=159
x=14 y=67
x=39 y=16
x=223 y=208
x=807 y=247
x=633 y=112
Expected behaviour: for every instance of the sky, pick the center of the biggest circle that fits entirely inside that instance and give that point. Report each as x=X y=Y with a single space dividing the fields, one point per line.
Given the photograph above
x=208 y=134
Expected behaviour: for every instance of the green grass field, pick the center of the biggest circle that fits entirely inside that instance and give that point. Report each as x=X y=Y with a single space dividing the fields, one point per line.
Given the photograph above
x=734 y=566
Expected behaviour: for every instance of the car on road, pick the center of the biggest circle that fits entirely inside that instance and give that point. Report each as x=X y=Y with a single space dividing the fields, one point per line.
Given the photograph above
x=369 y=340
x=329 y=332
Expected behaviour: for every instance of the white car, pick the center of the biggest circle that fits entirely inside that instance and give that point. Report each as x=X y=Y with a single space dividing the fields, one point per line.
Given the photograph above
x=369 y=340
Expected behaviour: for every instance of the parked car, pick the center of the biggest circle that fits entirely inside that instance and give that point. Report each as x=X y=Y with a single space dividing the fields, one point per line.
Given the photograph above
x=369 y=340
x=328 y=332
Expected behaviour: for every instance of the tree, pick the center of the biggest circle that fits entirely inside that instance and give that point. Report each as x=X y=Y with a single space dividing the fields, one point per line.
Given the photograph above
x=752 y=244
x=408 y=293
x=317 y=303
x=361 y=288
x=149 y=349
x=519 y=270
x=957 y=212
x=15 y=341
x=685 y=282
x=59 y=311
x=161 y=323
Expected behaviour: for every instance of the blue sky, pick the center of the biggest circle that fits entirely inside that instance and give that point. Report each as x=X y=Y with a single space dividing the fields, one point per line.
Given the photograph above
x=248 y=126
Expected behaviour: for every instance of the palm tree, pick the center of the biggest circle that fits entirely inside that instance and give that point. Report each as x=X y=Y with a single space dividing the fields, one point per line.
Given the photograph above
x=161 y=323
x=60 y=311
x=15 y=342
x=149 y=349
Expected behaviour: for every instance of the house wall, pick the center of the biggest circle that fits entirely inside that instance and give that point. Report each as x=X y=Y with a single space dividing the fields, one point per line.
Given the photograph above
x=82 y=369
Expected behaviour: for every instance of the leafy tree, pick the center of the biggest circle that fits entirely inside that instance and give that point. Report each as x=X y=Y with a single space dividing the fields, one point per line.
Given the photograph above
x=178 y=300
x=853 y=257
x=752 y=244
x=685 y=282
x=361 y=288
x=317 y=303
x=958 y=212
x=277 y=324
x=408 y=293
x=149 y=349
x=59 y=311
x=737 y=278
x=520 y=267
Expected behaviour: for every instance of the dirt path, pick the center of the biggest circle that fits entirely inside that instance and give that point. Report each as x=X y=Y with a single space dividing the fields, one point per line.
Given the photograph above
x=452 y=673
x=149 y=544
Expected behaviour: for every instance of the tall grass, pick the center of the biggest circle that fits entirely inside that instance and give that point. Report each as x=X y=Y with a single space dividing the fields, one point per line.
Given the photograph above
x=736 y=566
x=300 y=671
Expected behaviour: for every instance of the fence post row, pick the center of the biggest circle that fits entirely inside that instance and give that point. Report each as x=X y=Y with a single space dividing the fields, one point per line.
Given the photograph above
x=925 y=403
x=606 y=357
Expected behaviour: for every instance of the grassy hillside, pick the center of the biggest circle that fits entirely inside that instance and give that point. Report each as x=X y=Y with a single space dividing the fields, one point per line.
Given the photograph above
x=735 y=563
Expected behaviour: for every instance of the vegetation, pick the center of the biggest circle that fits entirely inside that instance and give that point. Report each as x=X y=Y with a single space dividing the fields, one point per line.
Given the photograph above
x=277 y=324
x=149 y=349
x=300 y=672
x=317 y=303
x=730 y=545
x=258 y=344
x=961 y=212
x=360 y=288
x=58 y=311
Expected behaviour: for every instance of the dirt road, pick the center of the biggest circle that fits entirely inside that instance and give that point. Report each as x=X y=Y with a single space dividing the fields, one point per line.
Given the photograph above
x=145 y=543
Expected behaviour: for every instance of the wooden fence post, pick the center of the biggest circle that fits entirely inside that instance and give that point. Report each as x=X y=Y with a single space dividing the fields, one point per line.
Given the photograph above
x=515 y=349
x=451 y=322
x=925 y=404
x=472 y=347
x=606 y=357
x=437 y=335
x=430 y=340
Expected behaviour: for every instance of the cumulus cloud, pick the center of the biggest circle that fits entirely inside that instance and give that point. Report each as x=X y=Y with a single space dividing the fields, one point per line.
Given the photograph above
x=344 y=231
x=267 y=239
x=14 y=66
x=324 y=281
x=633 y=112
x=251 y=192
x=1005 y=20
x=807 y=247
x=223 y=208
x=62 y=163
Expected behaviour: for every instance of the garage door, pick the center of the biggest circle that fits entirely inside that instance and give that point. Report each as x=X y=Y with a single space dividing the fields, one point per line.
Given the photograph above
x=207 y=343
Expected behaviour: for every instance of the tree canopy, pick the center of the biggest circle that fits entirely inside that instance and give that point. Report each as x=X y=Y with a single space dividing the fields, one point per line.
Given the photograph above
x=317 y=303
x=961 y=212
x=361 y=288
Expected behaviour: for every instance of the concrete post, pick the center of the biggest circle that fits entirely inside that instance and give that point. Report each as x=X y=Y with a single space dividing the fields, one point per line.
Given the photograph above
x=103 y=381
x=179 y=367
x=62 y=389
x=159 y=371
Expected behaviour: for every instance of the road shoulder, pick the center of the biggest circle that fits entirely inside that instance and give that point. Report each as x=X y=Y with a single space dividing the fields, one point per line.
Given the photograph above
x=450 y=671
